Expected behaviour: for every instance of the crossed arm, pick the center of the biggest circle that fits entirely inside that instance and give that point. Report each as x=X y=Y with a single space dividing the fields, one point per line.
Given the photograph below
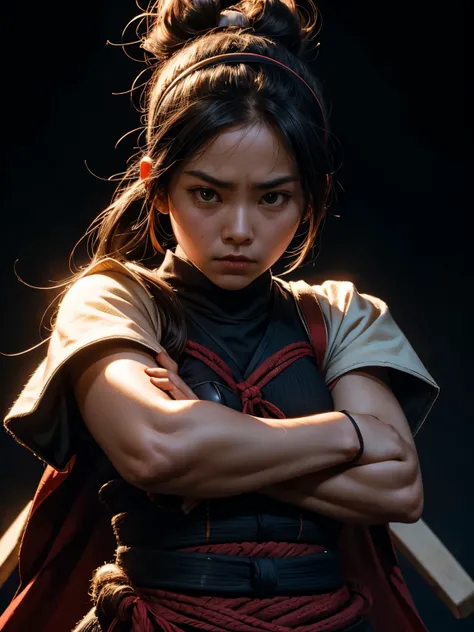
x=386 y=491
x=182 y=446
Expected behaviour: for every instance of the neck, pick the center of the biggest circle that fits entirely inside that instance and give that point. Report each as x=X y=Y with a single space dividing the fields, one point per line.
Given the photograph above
x=199 y=294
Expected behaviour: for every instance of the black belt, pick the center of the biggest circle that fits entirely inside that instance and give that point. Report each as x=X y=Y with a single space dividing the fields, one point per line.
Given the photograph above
x=226 y=575
x=143 y=529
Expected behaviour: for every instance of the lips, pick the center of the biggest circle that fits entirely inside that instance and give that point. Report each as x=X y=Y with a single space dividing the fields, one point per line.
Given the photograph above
x=235 y=258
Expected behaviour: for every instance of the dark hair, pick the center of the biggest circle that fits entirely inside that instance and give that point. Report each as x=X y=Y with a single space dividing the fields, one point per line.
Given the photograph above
x=178 y=34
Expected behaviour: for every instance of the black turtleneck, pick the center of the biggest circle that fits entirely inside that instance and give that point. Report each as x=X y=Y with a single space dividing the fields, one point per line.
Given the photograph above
x=244 y=328
x=235 y=319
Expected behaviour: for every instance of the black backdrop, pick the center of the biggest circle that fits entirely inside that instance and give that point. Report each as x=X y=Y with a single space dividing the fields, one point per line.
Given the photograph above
x=395 y=76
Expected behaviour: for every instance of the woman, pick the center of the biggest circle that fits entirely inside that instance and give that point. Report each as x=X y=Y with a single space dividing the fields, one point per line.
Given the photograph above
x=242 y=467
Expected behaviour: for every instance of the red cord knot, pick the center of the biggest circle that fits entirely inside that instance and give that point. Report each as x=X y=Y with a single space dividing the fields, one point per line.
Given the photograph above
x=131 y=610
x=249 y=393
x=251 y=397
x=141 y=616
x=126 y=607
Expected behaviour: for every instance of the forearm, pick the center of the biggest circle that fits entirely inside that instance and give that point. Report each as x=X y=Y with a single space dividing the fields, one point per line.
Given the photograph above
x=224 y=452
x=376 y=493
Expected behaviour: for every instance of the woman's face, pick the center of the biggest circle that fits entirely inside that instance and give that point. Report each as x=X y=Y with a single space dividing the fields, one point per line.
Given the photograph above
x=236 y=206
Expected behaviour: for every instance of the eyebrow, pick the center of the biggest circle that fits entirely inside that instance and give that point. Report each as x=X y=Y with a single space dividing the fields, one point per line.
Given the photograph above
x=269 y=184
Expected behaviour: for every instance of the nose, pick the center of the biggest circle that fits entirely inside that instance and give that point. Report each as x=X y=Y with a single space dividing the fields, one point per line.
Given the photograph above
x=237 y=227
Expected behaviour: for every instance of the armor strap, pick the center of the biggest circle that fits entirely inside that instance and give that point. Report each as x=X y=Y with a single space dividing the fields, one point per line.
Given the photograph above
x=312 y=316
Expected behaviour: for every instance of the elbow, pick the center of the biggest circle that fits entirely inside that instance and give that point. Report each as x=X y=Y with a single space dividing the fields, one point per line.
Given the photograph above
x=409 y=498
x=410 y=503
x=146 y=473
x=150 y=465
x=165 y=461
x=414 y=509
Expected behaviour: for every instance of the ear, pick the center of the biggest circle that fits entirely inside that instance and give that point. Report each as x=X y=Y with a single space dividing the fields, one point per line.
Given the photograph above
x=161 y=200
x=161 y=203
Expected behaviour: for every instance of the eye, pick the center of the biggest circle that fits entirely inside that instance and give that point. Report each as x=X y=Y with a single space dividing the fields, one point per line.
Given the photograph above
x=276 y=198
x=201 y=194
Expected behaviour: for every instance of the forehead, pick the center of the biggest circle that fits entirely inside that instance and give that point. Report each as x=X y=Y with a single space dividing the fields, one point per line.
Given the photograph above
x=256 y=149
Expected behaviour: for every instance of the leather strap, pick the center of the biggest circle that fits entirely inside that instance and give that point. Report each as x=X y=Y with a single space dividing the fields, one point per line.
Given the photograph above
x=313 y=317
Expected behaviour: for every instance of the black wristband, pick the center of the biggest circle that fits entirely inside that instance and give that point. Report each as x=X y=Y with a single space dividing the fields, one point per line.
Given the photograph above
x=359 y=434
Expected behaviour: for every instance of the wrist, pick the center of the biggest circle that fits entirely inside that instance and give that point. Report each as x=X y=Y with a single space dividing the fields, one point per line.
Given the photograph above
x=358 y=434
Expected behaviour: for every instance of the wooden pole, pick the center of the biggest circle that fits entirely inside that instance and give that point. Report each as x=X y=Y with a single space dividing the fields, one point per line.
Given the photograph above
x=425 y=551
x=10 y=544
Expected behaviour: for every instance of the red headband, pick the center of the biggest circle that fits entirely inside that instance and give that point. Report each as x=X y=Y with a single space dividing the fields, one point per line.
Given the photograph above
x=235 y=58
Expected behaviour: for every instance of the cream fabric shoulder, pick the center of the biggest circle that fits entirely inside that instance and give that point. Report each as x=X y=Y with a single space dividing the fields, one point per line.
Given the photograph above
x=361 y=332
x=109 y=301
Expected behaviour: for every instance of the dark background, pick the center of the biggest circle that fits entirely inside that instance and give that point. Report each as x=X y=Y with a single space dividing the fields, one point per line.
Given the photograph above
x=395 y=74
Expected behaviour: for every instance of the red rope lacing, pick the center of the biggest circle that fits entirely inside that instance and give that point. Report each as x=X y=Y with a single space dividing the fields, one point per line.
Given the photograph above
x=250 y=391
x=159 y=610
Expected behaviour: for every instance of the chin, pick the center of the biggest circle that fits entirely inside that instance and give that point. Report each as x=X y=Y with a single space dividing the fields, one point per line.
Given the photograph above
x=232 y=281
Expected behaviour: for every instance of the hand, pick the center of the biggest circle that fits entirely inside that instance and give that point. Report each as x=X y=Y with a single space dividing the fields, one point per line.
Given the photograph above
x=166 y=378
x=382 y=442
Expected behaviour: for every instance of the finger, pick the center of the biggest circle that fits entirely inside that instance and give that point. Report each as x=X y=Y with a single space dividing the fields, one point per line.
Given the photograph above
x=166 y=386
x=156 y=372
x=166 y=361
x=163 y=383
x=181 y=385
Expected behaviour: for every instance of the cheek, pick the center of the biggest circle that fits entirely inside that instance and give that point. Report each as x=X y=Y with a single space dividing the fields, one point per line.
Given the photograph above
x=283 y=229
x=190 y=230
x=183 y=221
x=184 y=226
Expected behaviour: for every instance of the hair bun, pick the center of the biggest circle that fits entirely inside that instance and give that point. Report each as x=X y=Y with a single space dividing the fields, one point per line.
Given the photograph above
x=171 y=24
x=280 y=21
x=174 y=22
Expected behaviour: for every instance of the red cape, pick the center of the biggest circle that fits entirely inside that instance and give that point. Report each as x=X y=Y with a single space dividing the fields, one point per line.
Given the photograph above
x=69 y=535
